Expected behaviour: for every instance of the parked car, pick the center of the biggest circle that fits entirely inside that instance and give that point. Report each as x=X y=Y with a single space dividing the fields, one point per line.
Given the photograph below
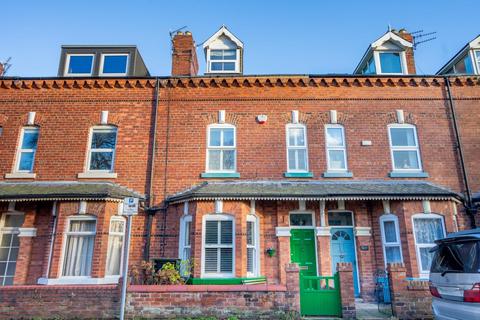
x=455 y=276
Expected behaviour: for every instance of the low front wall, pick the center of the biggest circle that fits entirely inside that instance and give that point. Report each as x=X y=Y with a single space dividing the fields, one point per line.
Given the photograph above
x=242 y=301
x=411 y=298
x=59 y=302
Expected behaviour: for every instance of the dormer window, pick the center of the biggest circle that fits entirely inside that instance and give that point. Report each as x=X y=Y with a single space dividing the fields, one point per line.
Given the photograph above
x=369 y=67
x=79 y=65
x=223 y=52
x=223 y=60
x=114 y=64
x=390 y=62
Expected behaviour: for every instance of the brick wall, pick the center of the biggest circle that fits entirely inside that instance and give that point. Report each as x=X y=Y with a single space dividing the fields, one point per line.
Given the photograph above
x=411 y=299
x=244 y=301
x=59 y=302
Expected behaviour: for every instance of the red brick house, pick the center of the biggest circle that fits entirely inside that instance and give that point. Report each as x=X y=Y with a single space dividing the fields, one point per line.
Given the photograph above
x=239 y=174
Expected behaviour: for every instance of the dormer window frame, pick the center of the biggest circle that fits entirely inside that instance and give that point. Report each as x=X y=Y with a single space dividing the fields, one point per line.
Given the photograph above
x=67 y=65
x=378 y=64
x=475 y=56
x=102 y=62
x=236 y=61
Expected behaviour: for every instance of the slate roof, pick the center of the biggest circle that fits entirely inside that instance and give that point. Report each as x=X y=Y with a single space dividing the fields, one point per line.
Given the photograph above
x=313 y=190
x=64 y=190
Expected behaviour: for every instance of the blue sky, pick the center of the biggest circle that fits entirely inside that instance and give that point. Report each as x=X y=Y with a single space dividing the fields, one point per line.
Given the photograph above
x=280 y=37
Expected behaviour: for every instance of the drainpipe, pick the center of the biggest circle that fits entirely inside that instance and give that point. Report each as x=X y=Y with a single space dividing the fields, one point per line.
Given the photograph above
x=467 y=203
x=150 y=211
x=165 y=174
x=54 y=230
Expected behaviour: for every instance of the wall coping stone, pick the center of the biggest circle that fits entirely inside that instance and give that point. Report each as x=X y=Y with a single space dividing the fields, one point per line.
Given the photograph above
x=206 y=288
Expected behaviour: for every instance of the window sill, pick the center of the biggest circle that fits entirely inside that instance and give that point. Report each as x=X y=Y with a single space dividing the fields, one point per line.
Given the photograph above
x=397 y=174
x=220 y=175
x=20 y=175
x=332 y=174
x=96 y=175
x=78 y=280
x=298 y=175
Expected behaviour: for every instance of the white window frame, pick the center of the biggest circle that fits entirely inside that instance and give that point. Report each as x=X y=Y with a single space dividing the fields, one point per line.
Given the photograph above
x=378 y=64
x=218 y=217
x=221 y=148
x=90 y=149
x=236 y=61
x=289 y=147
x=67 y=64
x=8 y=230
x=82 y=217
x=336 y=148
x=476 y=58
x=418 y=246
x=415 y=148
x=296 y=212
x=256 y=246
x=20 y=150
x=107 y=74
x=398 y=243
x=182 y=245
x=122 y=234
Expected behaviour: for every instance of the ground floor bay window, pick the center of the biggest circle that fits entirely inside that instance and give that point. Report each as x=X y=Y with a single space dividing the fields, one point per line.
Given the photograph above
x=392 y=248
x=218 y=246
x=252 y=246
x=79 y=243
x=426 y=228
x=115 y=246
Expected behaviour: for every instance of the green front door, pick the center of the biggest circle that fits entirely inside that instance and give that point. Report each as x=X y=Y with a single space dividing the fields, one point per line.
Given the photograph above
x=302 y=251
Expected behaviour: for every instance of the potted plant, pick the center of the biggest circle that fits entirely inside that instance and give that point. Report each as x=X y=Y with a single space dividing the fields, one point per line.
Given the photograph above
x=271 y=251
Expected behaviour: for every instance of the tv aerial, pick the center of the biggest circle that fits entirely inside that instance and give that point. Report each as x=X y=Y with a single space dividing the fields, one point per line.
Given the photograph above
x=4 y=66
x=420 y=37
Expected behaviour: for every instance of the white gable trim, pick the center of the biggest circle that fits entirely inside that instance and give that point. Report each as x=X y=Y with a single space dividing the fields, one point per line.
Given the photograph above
x=390 y=36
x=223 y=31
x=475 y=43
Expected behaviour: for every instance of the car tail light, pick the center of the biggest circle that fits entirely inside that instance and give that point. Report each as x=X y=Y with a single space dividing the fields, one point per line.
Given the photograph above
x=434 y=292
x=472 y=295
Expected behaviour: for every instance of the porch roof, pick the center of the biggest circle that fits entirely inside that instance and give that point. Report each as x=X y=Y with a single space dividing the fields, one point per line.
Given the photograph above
x=64 y=190
x=316 y=190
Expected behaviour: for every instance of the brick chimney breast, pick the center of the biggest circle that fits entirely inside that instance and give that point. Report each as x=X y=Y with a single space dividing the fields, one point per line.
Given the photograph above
x=184 y=56
x=404 y=34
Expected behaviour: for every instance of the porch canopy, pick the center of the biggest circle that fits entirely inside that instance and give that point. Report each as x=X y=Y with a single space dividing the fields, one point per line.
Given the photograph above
x=316 y=190
x=64 y=190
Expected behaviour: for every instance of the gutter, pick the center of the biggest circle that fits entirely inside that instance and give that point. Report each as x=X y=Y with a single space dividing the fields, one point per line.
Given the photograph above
x=470 y=208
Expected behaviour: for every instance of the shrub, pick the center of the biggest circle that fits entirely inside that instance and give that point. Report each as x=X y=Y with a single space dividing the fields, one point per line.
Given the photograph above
x=146 y=274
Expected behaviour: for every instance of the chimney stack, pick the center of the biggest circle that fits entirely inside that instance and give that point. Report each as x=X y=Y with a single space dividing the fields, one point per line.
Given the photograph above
x=184 y=55
x=404 y=34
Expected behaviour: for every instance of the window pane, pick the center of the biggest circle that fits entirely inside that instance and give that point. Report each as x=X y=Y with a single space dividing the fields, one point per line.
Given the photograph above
x=406 y=160
x=250 y=233
x=211 y=232
x=370 y=67
x=214 y=159
x=229 y=54
x=461 y=256
x=188 y=225
x=250 y=259
x=301 y=219
x=226 y=229
x=14 y=220
x=217 y=66
x=101 y=161
x=116 y=226
x=402 y=137
x=4 y=253
x=3 y=268
x=335 y=137
x=82 y=226
x=340 y=218
x=291 y=159
x=302 y=159
x=426 y=258
x=390 y=62
x=229 y=66
x=211 y=260
x=229 y=160
x=216 y=54
x=11 y=269
x=80 y=64
x=114 y=254
x=228 y=137
x=115 y=64
x=427 y=230
x=104 y=139
x=78 y=256
x=393 y=254
x=337 y=159
x=390 y=231
x=30 y=139
x=215 y=134
x=26 y=161
x=296 y=137
x=226 y=260
x=8 y=281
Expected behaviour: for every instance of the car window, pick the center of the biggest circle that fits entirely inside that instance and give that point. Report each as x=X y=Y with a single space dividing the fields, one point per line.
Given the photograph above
x=462 y=256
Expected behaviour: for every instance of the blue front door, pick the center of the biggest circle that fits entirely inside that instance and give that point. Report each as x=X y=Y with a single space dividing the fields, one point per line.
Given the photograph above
x=342 y=247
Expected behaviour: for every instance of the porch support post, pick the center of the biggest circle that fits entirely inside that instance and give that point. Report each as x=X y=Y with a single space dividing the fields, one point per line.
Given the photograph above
x=323 y=243
x=283 y=238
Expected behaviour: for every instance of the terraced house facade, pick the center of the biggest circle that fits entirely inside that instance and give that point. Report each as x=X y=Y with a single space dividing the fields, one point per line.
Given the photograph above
x=239 y=174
